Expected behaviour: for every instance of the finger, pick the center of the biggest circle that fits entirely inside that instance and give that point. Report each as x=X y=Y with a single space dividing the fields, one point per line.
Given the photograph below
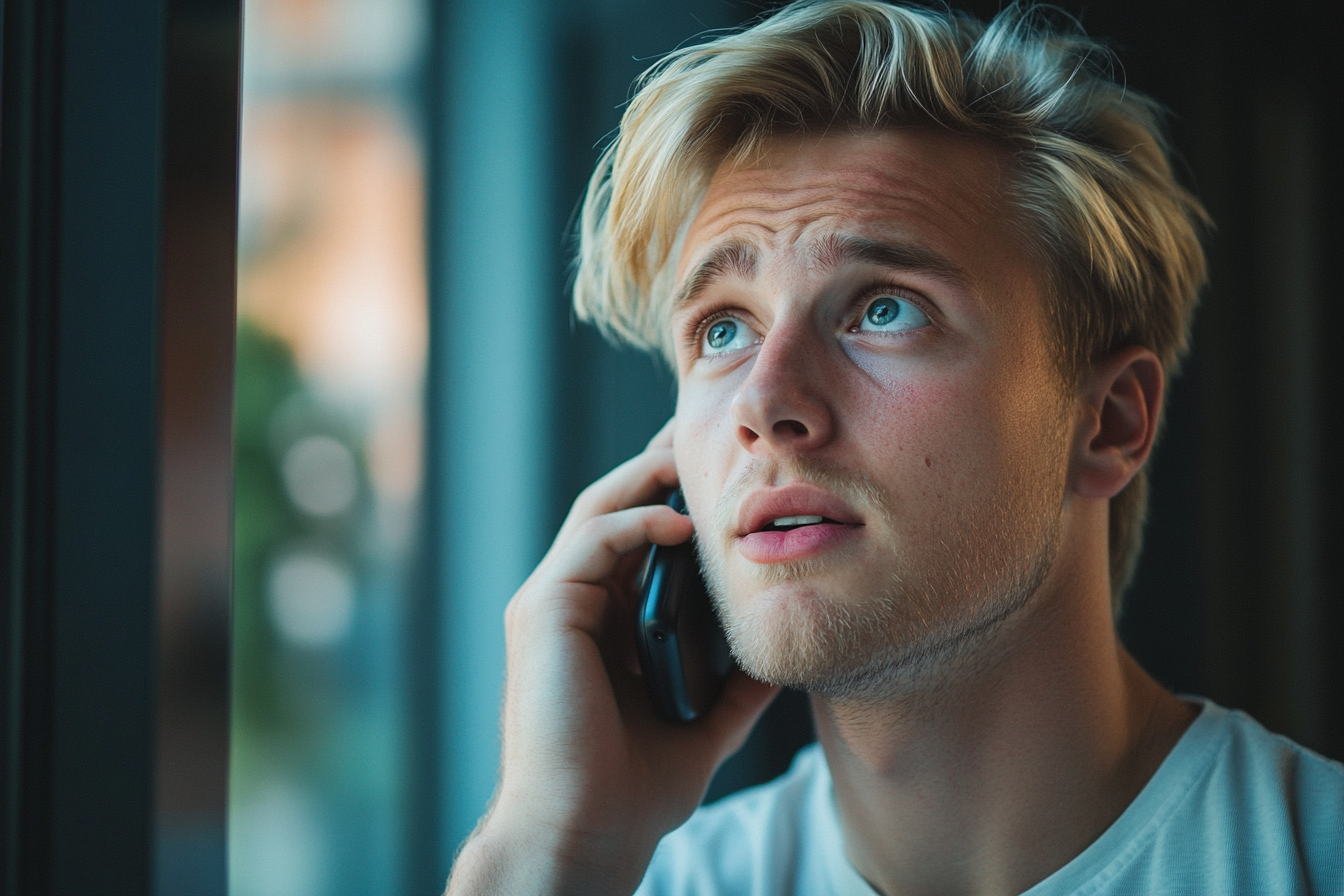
x=639 y=481
x=663 y=437
x=600 y=543
x=738 y=707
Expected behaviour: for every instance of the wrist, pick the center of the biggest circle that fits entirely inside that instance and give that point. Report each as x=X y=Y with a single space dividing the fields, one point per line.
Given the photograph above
x=494 y=863
x=525 y=857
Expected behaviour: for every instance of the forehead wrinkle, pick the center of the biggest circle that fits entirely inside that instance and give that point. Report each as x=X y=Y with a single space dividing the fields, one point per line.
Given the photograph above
x=843 y=197
x=800 y=209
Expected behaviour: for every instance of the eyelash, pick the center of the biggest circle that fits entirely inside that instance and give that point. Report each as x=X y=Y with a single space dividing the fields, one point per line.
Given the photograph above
x=696 y=333
x=888 y=289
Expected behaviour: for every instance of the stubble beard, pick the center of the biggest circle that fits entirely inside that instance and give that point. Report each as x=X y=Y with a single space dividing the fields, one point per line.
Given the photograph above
x=927 y=616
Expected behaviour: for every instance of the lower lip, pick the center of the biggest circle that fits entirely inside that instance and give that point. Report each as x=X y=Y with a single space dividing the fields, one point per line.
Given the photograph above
x=794 y=544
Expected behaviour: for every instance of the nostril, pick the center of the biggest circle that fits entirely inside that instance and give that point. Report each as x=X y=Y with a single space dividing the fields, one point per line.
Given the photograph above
x=790 y=427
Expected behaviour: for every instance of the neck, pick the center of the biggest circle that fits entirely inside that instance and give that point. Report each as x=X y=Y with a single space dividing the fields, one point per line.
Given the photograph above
x=1000 y=775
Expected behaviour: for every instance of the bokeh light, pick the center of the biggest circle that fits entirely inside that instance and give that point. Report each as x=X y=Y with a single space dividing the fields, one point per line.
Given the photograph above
x=331 y=356
x=312 y=599
x=320 y=475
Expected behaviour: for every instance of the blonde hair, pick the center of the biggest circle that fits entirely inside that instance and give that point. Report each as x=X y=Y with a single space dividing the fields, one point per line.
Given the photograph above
x=1118 y=236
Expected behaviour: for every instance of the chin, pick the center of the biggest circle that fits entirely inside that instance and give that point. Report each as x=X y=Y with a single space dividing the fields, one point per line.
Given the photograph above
x=884 y=624
x=898 y=639
x=796 y=637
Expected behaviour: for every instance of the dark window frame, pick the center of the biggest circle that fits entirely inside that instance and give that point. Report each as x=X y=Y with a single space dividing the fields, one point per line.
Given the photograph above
x=118 y=145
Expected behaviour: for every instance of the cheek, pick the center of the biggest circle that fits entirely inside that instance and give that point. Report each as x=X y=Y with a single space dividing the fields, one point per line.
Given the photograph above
x=928 y=413
x=696 y=445
x=939 y=434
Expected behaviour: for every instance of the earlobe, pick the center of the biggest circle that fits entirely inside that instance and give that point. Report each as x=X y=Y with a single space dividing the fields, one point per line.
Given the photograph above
x=1120 y=402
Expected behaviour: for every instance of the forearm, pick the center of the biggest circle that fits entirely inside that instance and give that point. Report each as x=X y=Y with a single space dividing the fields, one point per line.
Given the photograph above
x=502 y=859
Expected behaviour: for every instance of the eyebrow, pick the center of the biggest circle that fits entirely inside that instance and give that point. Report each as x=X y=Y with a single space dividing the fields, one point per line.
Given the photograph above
x=738 y=258
x=735 y=258
x=835 y=250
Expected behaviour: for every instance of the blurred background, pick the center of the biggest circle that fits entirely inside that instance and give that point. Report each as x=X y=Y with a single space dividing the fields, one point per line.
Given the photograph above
x=416 y=406
x=331 y=347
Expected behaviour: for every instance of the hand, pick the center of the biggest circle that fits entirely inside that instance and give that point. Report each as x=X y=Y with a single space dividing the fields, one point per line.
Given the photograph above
x=590 y=778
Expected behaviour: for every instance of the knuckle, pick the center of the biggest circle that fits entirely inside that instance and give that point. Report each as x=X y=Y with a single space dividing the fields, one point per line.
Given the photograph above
x=594 y=497
x=597 y=528
x=587 y=495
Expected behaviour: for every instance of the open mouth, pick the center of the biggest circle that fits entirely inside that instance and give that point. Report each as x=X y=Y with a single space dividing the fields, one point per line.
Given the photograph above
x=791 y=522
x=789 y=538
x=786 y=523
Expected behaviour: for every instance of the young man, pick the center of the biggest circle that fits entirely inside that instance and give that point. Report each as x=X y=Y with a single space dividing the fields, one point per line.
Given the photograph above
x=922 y=282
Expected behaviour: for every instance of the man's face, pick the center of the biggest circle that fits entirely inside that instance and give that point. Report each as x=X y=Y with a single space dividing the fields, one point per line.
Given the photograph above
x=870 y=433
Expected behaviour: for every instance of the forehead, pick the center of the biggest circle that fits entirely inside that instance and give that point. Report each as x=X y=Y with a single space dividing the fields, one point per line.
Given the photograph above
x=922 y=186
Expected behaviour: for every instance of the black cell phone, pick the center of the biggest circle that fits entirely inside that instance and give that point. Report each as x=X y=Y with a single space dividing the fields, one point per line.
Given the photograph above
x=682 y=649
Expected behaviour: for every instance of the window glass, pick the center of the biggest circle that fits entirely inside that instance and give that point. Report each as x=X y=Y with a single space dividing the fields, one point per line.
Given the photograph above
x=331 y=354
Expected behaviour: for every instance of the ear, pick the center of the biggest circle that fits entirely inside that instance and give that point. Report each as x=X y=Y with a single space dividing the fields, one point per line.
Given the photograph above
x=1119 y=402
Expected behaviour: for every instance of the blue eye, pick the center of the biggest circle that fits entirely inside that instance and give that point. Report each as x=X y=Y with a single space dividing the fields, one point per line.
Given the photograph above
x=726 y=334
x=892 y=314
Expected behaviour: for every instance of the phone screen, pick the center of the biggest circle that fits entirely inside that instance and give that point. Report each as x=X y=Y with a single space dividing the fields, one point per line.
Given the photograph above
x=682 y=649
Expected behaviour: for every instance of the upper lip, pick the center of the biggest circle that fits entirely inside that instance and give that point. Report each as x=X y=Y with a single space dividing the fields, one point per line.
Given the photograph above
x=764 y=506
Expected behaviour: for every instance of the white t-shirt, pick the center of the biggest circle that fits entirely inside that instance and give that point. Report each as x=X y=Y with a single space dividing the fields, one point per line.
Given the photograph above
x=1232 y=810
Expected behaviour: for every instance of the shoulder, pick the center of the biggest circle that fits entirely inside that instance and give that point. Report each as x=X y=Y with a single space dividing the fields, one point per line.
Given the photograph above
x=1233 y=809
x=1278 y=800
x=779 y=838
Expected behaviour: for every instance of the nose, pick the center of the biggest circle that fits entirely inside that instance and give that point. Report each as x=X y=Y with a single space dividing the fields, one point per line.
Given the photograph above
x=783 y=404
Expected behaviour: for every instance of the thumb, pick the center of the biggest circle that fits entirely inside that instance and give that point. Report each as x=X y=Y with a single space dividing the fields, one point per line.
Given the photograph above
x=736 y=711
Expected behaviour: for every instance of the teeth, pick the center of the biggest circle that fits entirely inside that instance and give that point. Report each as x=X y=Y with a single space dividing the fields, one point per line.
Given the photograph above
x=797 y=521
